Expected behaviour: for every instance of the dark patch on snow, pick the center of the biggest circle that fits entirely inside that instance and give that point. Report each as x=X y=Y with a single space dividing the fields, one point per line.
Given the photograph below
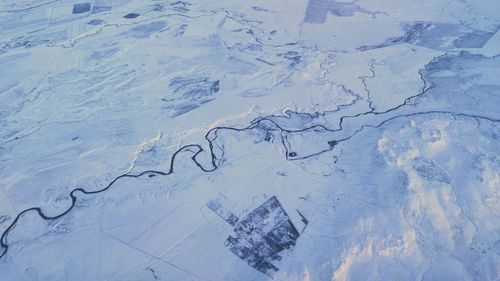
x=262 y=235
x=81 y=8
x=95 y=22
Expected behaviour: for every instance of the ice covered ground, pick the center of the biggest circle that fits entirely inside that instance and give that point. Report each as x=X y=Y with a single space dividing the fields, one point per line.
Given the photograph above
x=375 y=121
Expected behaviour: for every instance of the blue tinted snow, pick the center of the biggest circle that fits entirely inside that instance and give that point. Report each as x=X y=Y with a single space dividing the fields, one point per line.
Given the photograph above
x=473 y=40
x=190 y=93
x=143 y=31
x=181 y=30
x=95 y=22
x=317 y=10
x=97 y=55
x=437 y=36
x=431 y=172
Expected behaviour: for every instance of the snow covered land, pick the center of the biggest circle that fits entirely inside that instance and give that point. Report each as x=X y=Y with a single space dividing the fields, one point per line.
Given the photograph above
x=297 y=140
